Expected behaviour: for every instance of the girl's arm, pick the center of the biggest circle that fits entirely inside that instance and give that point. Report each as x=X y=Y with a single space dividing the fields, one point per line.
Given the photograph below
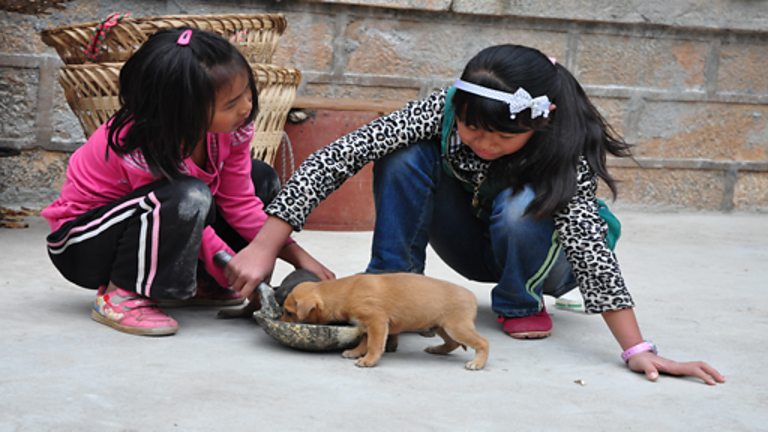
x=623 y=325
x=319 y=175
x=328 y=168
x=234 y=194
x=244 y=211
x=582 y=233
x=255 y=262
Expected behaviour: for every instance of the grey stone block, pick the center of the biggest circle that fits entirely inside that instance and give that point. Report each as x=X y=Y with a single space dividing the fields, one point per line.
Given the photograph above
x=18 y=103
x=720 y=14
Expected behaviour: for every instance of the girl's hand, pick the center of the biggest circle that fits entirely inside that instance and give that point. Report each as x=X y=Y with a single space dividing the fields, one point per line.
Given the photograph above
x=652 y=364
x=249 y=268
x=301 y=259
x=255 y=263
x=317 y=268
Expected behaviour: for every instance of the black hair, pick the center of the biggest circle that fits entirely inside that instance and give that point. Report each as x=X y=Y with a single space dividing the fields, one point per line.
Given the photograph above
x=168 y=96
x=549 y=159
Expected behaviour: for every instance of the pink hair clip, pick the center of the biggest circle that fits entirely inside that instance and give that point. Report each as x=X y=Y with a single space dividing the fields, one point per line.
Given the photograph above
x=184 y=38
x=553 y=60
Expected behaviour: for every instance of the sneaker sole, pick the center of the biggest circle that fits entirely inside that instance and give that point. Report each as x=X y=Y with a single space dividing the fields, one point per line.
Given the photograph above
x=531 y=335
x=159 y=331
x=200 y=303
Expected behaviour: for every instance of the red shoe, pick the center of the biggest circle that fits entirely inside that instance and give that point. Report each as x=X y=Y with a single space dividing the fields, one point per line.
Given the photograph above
x=536 y=326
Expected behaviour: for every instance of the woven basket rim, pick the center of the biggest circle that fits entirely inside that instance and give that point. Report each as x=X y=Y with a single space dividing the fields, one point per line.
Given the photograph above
x=118 y=65
x=278 y=18
x=260 y=33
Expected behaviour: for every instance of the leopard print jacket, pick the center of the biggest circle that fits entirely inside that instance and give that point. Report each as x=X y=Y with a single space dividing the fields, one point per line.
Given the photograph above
x=581 y=230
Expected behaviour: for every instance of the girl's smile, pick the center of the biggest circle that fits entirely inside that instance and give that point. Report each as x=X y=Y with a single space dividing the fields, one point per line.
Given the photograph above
x=490 y=145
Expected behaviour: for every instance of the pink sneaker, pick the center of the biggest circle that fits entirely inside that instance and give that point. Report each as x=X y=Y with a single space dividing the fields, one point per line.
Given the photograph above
x=537 y=326
x=131 y=313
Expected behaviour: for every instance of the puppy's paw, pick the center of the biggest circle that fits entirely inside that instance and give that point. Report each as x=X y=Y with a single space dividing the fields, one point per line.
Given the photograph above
x=365 y=362
x=391 y=345
x=352 y=354
x=439 y=349
x=428 y=333
x=474 y=365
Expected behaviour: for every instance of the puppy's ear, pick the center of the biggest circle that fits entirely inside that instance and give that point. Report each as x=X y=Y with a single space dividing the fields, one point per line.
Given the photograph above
x=304 y=308
x=289 y=310
x=308 y=309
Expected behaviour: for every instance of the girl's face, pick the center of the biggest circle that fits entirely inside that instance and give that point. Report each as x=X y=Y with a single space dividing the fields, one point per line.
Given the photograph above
x=491 y=145
x=233 y=104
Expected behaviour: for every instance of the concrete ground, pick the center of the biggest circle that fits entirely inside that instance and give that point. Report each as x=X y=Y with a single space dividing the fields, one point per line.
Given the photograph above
x=699 y=281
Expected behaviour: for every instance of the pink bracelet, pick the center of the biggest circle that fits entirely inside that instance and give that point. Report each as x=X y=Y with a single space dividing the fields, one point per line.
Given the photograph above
x=643 y=346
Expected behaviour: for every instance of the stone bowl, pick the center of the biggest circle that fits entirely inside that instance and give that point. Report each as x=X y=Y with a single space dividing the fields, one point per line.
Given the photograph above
x=302 y=336
x=311 y=337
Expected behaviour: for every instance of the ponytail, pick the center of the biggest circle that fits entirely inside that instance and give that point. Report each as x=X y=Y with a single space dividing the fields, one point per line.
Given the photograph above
x=581 y=123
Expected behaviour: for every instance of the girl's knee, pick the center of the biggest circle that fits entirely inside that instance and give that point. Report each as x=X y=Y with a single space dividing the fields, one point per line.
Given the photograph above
x=510 y=207
x=509 y=218
x=193 y=197
x=417 y=156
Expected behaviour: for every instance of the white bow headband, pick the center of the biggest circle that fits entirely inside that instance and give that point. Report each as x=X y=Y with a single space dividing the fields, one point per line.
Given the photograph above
x=517 y=101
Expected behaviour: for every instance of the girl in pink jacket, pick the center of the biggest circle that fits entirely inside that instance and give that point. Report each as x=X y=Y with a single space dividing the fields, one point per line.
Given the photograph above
x=165 y=184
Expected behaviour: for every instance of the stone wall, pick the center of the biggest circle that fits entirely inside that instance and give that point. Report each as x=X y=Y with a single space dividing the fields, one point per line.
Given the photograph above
x=684 y=82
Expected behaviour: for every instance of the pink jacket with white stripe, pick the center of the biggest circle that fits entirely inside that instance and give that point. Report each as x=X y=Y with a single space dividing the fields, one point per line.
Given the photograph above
x=92 y=182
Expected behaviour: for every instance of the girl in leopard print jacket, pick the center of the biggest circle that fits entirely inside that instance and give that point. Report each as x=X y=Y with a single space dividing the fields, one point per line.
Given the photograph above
x=498 y=174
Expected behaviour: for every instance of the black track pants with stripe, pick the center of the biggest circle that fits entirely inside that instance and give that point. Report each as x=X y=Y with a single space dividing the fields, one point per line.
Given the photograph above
x=146 y=242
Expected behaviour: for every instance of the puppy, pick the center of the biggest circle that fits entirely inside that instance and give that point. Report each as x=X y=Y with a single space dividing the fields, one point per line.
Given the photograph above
x=387 y=304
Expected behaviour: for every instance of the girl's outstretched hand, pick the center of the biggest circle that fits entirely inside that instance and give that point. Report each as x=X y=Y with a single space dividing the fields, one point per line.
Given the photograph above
x=318 y=268
x=652 y=364
x=301 y=259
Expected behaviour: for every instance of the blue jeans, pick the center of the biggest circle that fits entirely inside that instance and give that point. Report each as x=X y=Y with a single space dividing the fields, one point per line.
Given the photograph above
x=418 y=203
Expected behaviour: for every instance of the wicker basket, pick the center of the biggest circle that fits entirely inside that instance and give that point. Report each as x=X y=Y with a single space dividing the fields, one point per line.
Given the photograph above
x=256 y=35
x=277 y=90
x=70 y=42
x=92 y=93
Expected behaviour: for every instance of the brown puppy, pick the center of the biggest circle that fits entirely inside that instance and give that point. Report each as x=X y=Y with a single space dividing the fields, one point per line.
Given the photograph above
x=387 y=304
